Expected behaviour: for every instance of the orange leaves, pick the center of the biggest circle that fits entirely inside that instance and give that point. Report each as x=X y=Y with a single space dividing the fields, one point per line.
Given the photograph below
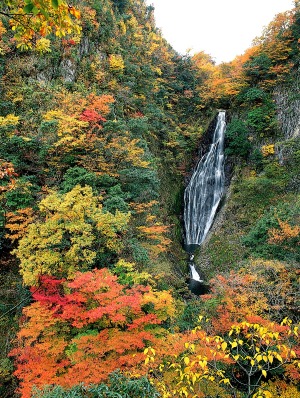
x=91 y=116
x=101 y=103
x=7 y=173
x=238 y=298
x=277 y=37
x=284 y=234
x=277 y=45
x=39 y=19
x=140 y=208
x=79 y=123
x=82 y=330
x=126 y=151
x=17 y=223
x=154 y=233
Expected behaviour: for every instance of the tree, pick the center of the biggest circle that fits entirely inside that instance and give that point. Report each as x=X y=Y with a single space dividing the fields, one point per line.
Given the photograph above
x=237 y=143
x=84 y=329
x=71 y=231
x=33 y=20
x=236 y=362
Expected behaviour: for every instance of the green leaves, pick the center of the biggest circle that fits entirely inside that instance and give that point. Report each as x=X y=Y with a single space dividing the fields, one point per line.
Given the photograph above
x=28 y=8
x=54 y=4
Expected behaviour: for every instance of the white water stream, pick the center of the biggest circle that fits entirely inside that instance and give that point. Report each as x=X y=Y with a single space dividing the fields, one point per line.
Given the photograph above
x=204 y=192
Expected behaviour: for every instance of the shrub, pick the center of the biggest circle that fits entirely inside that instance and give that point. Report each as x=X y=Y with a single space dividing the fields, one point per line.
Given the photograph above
x=237 y=143
x=118 y=386
x=275 y=234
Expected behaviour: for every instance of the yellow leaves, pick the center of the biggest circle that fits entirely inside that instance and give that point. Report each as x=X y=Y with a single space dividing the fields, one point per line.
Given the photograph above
x=268 y=150
x=258 y=358
x=66 y=124
x=43 y=45
x=126 y=150
x=293 y=354
x=109 y=224
x=203 y=364
x=262 y=394
x=116 y=63
x=122 y=27
x=224 y=345
x=129 y=269
x=270 y=358
x=68 y=237
x=202 y=361
x=150 y=355
x=278 y=356
x=163 y=304
x=186 y=360
x=9 y=121
x=286 y=321
x=225 y=381
x=38 y=20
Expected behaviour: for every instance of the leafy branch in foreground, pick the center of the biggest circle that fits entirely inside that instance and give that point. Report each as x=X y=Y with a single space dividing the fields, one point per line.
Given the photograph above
x=33 y=20
x=238 y=362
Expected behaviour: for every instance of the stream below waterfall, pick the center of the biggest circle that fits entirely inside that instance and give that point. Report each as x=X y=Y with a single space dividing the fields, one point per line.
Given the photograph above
x=202 y=197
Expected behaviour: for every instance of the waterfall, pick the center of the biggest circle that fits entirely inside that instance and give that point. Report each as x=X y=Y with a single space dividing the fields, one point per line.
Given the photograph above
x=204 y=192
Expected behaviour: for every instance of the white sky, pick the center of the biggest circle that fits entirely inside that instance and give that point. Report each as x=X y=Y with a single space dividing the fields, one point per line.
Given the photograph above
x=221 y=28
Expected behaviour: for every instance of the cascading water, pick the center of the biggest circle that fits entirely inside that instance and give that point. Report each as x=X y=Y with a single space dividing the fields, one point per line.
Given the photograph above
x=204 y=192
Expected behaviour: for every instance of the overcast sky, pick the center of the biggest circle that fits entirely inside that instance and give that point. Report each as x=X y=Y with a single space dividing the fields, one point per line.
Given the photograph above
x=221 y=28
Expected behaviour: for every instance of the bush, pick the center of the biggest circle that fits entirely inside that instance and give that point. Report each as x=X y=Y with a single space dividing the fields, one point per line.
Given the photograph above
x=259 y=237
x=262 y=119
x=252 y=95
x=141 y=184
x=118 y=386
x=139 y=253
x=237 y=143
x=23 y=195
x=78 y=176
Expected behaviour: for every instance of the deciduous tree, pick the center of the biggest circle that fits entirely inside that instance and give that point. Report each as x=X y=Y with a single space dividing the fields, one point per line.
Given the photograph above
x=84 y=329
x=70 y=232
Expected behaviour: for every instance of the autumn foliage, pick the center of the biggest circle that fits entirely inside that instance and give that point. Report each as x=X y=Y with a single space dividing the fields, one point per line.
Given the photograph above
x=33 y=21
x=235 y=362
x=82 y=330
x=72 y=229
x=97 y=139
x=7 y=176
